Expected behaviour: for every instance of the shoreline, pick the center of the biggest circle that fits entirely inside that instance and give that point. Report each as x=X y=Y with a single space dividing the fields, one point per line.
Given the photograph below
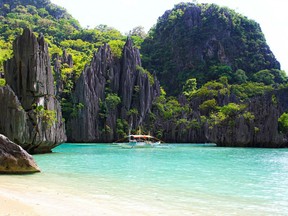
x=15 y=200
x=18 y=199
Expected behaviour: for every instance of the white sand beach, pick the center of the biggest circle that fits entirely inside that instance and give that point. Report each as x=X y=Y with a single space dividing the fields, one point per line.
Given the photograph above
x=14 y=202
x=12 y=206
x=21 y=197
x=18 y=199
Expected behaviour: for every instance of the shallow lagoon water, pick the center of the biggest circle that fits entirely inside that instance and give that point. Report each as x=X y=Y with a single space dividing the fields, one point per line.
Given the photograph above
x=175 y=180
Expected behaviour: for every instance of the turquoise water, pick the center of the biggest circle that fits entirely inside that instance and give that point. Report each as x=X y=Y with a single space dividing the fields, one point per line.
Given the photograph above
x=179 y=180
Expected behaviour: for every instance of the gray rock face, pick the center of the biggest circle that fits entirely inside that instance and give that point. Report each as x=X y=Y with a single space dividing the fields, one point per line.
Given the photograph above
x=132 y=78
x=13 y=118
x=89 y=91
x=14 y=159
x=261 y=130
x=34 y=118
x=105 y=79
x=29 y=73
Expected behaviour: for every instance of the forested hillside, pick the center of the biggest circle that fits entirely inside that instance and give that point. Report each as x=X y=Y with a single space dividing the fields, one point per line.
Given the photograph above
x=60 y=29
x=206 y=41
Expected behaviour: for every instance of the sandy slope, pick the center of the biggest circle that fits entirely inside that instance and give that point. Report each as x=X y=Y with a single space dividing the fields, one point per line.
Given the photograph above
x=13 y=207
x=21 y=201
x=32 y=203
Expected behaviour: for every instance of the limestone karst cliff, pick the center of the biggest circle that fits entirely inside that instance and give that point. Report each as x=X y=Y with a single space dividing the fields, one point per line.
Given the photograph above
x=231 y=123
x=30 y=113
x=260 y=131
x=204 y=41
x=112 y=95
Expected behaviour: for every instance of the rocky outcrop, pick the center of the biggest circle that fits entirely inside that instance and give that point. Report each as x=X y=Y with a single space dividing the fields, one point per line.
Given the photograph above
x=256 y=125
x=13 y=118
x=110 y=91
x=33 y=115
x=14 y=159
x=89 y=91
x=261 y=131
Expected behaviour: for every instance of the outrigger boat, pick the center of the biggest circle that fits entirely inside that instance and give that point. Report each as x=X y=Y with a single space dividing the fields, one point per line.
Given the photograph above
x=139 y=141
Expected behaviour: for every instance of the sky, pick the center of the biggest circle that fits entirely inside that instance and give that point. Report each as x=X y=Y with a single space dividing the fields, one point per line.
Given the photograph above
x=124 y=15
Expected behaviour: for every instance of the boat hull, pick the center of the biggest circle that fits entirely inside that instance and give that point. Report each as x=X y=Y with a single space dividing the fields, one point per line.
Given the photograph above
x=139 y=144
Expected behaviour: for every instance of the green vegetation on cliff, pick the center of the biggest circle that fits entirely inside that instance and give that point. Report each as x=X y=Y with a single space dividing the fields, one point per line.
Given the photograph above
x=202 y=41
x=60 y=29
x=205 y=41
x=210 y=60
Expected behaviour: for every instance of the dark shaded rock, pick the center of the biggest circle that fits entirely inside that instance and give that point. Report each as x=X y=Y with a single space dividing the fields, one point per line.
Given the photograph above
x=14 y=159
x=37 y=125
x=105 y=77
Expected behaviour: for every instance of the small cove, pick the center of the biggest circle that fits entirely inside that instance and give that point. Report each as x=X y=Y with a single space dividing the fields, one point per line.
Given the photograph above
x=180 y=180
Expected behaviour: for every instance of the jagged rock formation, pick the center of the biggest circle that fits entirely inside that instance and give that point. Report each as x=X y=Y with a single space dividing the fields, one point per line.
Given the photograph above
x=98 y=118
x=261 y=129
x=14 y=159
x=111 y=91
x=33 y=116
